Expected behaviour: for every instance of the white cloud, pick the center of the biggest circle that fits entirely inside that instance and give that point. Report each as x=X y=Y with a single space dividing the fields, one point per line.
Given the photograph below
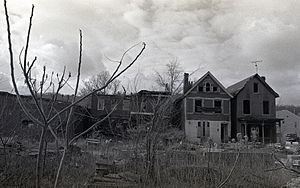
x=212 y=34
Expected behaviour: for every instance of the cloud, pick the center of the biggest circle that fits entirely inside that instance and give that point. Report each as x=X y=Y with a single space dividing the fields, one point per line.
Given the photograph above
x=220 y=36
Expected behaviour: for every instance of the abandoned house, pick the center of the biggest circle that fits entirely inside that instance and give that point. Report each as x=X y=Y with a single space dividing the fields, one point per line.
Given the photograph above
x=206 y=109
x=253 y=110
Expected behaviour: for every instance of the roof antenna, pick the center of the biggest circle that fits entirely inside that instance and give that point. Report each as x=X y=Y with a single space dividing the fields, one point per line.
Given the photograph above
x=256 y=65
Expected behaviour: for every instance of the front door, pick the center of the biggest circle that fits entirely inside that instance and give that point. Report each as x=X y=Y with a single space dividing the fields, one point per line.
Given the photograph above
x=224 y=132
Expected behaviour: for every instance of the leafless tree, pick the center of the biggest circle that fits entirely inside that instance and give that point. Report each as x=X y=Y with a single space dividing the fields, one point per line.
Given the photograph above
x=171 y=77
x=98 y=81
x=46 y=114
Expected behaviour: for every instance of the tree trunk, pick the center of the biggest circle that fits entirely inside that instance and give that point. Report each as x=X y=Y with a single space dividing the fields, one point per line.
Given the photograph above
x=39 y=158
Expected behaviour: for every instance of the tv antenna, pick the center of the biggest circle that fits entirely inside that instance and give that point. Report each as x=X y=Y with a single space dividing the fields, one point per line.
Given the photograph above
x=256 y=64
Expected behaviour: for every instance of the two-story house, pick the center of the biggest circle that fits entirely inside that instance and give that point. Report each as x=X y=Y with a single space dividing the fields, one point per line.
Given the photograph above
x=206 y=109
x=253 y=110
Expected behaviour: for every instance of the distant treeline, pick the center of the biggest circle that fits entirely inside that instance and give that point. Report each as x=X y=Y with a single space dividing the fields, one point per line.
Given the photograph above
x=291 y=108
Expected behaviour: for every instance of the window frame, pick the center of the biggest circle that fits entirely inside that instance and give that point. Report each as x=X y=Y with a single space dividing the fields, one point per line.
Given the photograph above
x=267 y=108
x=244 y=108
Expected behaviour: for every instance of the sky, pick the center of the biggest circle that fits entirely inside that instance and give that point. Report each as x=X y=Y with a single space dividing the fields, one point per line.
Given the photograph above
x=221 y=36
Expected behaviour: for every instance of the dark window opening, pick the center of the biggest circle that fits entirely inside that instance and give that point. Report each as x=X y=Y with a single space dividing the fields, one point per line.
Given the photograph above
x=207 y=124
x=198 y=105
x=246 y=107
x=215 y=89
x=266 y=107
x=255 y=87
x=218 y=106
x=207 y=87
x=200 y=89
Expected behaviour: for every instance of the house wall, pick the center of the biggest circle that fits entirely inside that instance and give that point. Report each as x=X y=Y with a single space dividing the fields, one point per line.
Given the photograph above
x=290 y=123
x=192 y=117
x=256 y=102
x=194 y=132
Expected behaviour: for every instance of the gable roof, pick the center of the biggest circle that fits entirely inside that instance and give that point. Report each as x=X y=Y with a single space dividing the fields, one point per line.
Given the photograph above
x=202 y=78
x=236 y=88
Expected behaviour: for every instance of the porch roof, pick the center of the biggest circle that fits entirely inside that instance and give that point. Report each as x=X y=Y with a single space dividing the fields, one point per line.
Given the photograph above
x=251 y=119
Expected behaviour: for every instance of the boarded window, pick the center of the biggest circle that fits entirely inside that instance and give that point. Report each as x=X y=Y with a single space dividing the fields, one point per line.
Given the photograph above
x=226 y=106
x=126 y=105
x=189 y=105
x=198 y=105
x=246 y=106
x=266 y=109
x=255 y=87
x=100 y=105
x=208 y=103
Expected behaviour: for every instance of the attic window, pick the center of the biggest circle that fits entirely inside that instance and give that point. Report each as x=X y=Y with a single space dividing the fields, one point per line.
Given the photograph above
x=200 y=89
x=207 y=87
x=215 y=89
x=255 y=87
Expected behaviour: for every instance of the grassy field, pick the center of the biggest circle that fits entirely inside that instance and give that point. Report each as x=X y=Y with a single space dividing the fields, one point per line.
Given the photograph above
x=176 y=165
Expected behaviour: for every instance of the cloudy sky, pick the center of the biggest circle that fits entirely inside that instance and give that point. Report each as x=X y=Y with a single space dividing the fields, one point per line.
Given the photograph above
x=221 y=36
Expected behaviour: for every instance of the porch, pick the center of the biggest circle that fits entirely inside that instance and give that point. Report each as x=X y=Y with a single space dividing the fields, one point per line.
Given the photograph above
x=264 y=130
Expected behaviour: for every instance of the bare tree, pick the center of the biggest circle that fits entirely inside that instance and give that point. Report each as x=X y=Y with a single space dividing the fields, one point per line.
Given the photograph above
x=98 y=81
x=170 y=78
x=46 y=115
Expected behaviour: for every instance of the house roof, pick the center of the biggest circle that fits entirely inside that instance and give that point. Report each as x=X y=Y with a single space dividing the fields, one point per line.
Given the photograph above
x=239 y=86
x=202 y=78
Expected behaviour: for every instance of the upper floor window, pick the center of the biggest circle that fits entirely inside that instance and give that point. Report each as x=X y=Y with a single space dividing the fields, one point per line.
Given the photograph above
x=215 y=89
x=255 y=88
x=218 y=106
x=100 y=105
x=198 y=105
x=266 y=109
x=200 y=88
x=246 y=107
x=207 y=87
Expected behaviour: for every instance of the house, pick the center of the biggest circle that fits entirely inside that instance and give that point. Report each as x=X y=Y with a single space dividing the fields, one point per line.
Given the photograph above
x=253 y=110
x=144 y=103
x=206 y=109
x=114 y=108
x=290 y=123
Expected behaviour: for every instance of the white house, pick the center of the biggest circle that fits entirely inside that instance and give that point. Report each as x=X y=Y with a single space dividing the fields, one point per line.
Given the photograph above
x=290 y=123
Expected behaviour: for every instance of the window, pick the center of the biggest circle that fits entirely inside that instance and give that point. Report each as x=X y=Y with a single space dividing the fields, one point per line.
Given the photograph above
x=207 y=87
x=218 y=106
x=295 y=125
x=200 y=88
x=266 y=107
x=246 y=107
x=126 y=105
x=100 y=104
x=207 y=124
x=255 y=87
x=215 y=89
x=198 y=105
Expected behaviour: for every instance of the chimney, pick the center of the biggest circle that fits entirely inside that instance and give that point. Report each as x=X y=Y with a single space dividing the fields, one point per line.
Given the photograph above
x=263 y=77
x=186 y=82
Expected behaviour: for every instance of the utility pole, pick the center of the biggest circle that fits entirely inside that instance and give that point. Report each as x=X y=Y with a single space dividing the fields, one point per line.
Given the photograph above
x=256 y=65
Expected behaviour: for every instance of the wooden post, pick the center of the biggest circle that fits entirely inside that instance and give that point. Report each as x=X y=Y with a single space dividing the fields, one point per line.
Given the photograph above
x=263 y=132
x=246 y=129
